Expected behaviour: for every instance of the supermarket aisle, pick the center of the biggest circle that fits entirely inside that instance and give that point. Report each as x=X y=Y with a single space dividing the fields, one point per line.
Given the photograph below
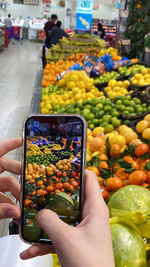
x=18 y=68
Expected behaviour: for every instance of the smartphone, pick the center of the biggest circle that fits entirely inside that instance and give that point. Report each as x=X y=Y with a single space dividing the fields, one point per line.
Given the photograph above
x=54 y=154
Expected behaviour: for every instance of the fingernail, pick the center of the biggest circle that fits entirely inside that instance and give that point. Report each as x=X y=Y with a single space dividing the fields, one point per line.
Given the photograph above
x=11 y=214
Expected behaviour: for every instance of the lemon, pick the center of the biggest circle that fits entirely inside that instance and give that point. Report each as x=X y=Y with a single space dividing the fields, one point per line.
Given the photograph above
x=77 y=97
x=71 y=85
x=67 y=102
x=65 y=96
x=61 y=83
x=147 y=118
x=117 y=139
x=75 y=90
x=120 y=84
x=89 y=86
x=146 y=134
x=141 y=82
x=44 y=111
x=80 y=84
x=126 y=84
x=142 y=125
x=112 y=83
x=88 y=157
x=54 y=102
x=134 y=81
x=144 y=71
x=73 y=78
x=89 y=132
x=98 y=130
x=138 y=76
x=108 y=89
x=116 y=89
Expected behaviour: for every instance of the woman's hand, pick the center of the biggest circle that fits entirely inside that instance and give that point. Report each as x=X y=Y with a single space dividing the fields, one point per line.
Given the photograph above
x=8 y=183
x=88 y=244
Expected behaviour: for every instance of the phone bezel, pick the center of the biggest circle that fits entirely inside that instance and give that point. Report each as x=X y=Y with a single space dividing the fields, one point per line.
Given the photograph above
x=83 y=162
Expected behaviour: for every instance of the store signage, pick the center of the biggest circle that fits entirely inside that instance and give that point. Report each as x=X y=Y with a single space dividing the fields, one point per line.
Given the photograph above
x=84 y=21
x=84 y=15
x=126 y=42
x=85 y=6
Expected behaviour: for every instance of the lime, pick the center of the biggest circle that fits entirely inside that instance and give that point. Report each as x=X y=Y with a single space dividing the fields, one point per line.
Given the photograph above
x=95 y=122
x=95 y=101
x=99 y=114
x=102 y=101
x=122 y=107
x=118 y=102
x=126 y=122
x=128 y=97
x=130 y=109
x=115 y=122
x=91 y=126
x=95 y=109
x=108 y=101
x=88 y=106
x=115 y=113
x=86 y=111
x=90 y=116
x=126 y=113
x=86 y=102
x=148 y=108
x=99 y=106
x=56 y=107
x=77 y=110
x=78 y=105
x=107 y=118
x=139 y=109
x=136 y=100
x=109 y=128
x=107 y=108
x=104 y=124
x=126 y=102
x=144 y=105
x=132 y=103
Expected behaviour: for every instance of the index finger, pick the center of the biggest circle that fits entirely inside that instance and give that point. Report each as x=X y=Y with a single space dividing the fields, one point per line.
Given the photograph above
x=9 y=144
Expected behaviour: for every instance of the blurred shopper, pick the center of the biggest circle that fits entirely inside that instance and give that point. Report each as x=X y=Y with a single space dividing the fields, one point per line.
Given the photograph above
x=8 y=25
x=56 y=34
x=50 y=24
x=100 y=32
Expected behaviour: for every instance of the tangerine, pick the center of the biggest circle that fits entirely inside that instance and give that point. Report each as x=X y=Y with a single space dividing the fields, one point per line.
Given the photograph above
x=137 y=177
x=113 y=183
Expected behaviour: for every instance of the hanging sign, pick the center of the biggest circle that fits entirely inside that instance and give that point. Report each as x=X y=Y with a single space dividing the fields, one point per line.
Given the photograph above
x=84 y=15
x=85 y=6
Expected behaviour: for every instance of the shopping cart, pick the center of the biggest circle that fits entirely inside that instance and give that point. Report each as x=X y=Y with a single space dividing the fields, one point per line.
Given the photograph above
x=7 y=34
x=16 y=33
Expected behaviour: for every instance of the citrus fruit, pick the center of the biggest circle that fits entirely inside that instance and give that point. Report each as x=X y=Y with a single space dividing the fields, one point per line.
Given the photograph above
x=94 y=169
x=147 y=118
x=109 y=128
x=115 y=150
x=137 y=177
x=142 y=125
x=113 y=183
x=117 y=139
x=61 y=202
x=98 y=130
x=146 y=134
x=141 y=149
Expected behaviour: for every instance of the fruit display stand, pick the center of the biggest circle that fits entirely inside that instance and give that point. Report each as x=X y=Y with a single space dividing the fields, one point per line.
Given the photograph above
x=118 y=139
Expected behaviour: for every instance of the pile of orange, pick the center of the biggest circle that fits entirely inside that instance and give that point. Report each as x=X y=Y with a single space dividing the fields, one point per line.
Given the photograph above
x=140 y=174
x=79 y=57
x=52 y=70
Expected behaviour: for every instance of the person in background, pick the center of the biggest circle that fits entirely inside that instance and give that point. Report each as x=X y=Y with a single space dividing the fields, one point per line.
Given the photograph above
x=56 y=34
x=8 y=25
x=100 y=31
x=88 y=244
x=50 y=24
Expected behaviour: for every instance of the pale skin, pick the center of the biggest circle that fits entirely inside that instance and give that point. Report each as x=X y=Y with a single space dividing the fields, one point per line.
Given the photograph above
x=88 y=244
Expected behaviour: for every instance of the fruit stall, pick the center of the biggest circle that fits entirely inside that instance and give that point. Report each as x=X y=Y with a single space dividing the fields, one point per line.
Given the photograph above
x=112 y=93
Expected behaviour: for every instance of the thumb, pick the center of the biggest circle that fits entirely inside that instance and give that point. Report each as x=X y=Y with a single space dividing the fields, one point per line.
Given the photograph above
x=52 y=225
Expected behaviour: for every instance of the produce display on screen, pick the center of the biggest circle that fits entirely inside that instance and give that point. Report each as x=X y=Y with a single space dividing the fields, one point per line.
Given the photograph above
x=53 y=169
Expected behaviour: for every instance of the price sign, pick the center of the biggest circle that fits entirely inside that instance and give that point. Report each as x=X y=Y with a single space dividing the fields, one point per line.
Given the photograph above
x=84 y=21
x=85 y=6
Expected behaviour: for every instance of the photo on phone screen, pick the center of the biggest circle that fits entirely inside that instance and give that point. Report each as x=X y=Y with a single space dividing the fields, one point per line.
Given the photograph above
x=53 y=169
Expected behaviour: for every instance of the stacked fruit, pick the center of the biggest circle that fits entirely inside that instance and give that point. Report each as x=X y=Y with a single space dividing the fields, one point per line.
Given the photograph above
x=143 y=78
x=143 y=127
x=117 y=88
x=131 y=106
x=106 y=77
x=77 y=87
x=52 y=70
x=127 y=71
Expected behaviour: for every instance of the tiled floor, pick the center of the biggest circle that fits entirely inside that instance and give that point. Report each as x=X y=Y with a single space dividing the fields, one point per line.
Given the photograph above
x=18 y=68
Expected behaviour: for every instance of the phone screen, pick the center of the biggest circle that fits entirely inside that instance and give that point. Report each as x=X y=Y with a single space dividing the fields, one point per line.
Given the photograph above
x=53 y=169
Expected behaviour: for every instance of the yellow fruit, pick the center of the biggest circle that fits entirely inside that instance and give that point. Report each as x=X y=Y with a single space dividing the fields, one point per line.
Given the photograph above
x=71 y=85
x=98 y=130
x=44 y=111
x=144 y=71
x=88 y=157
x=75 y=90
x=89 y=86
x=146 y=134
x=141 y=82
x=138 y=76
x=126 y=84
x=116 y=89
x=134 y=81
x=112 y=83
x=89 y=132
x=147 y=118
x=142 y=125
x=130 y=136
x=117 y=139
x=95 y=154
x=80 y=84
x=77 y=96
x=73 y=78
x=107 y=89
x=61 y=83
x=120 y=84
x=123 y=128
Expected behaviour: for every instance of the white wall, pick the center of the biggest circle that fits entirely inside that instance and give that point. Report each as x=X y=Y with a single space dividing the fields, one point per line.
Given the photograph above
x=106 y=11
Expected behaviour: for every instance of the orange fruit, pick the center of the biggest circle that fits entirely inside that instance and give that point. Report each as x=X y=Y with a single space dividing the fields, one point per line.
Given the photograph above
x=106 y=194
x=103 y=157
x=104 y=165
x=113 y=183
x=141 y=149
x=94 y=169
x=137 y=177
x=115 y=150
